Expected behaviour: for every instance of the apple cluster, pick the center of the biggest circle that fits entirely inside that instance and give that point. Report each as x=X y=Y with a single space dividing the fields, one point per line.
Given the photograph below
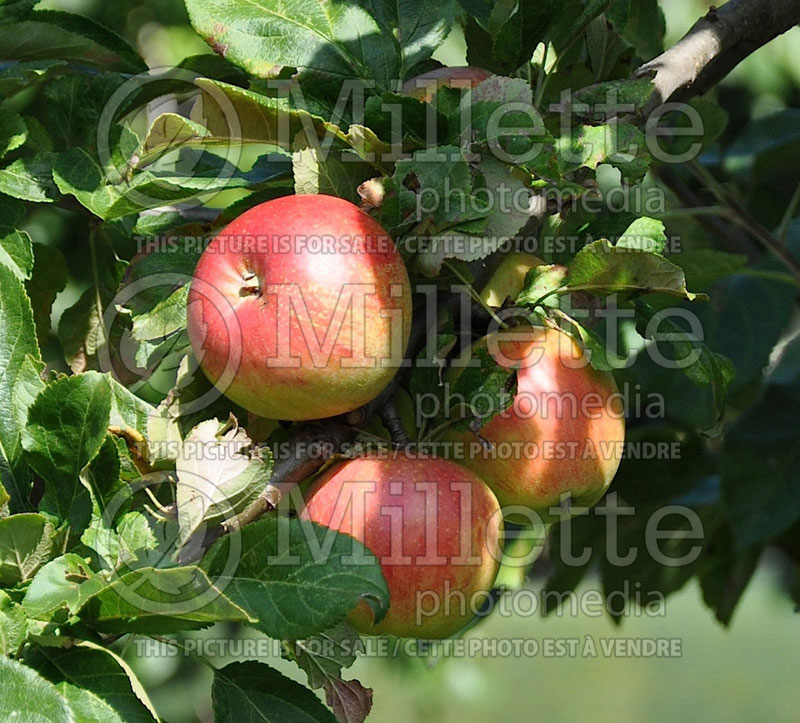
x=299 y=333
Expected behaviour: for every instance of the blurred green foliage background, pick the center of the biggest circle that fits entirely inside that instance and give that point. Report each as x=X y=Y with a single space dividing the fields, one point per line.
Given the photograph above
x=747 y=673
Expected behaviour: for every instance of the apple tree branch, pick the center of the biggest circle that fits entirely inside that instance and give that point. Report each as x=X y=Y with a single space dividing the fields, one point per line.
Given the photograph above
x=715 y=45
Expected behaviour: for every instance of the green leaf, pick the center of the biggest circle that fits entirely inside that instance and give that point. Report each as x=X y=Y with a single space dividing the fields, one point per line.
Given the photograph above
x=336 y=39
x=707 y=367
x=505 y=219
x=16 y=76
x=622 y=145
x=169 y=131
x=19 y=686
x=759 y=463
x=298 y=578
x=258 y=118
x=704 y=121
x=27 y=541
x=487 y=381
x=726 y=572
x=47 y=279
x=13 y=131
x=128 y=410
x=16 y=251
x=103 y=478
x=512 y=37
x=67 y=424
x=13 y=10
x=12 y=211
x=602 y=269
x=136 y=541
x=324 y=655
x=175 y=266
x=165 y=318
x=53 y=34
x=87 y=707
x=642 y=24
x=418 y=26
x=631 y=93
x=82 y=330
x=30 y=179
x=746 y=319
x=62 y=584
x=599 y=357
x=322 y=659
x=426 y=375
x=336 y=175
x=72 y=106
x=541 y=283
x=19 y=383
x=644 y=234
x=702 y=267
x=218 y=476
x=766 y=144
x=79 y=174
x=98 y=671
x=645 y=576
x=13 y=625
x=503 y=117
x=251 y=691
x=161 y=600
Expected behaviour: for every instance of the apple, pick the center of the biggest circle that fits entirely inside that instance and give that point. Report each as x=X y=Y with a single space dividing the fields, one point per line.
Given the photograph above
x=563 y=433
x=300 y=308
x=508 y=278
x=424 y=86
x=434 y=527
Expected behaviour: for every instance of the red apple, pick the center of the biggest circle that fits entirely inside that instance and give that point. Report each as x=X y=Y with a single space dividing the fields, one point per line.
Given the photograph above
x=300 y=308
x=424 y=86
x=564 y=431
x=434 y=527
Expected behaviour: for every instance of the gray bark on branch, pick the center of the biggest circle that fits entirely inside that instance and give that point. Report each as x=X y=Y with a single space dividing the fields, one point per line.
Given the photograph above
x=715 y=45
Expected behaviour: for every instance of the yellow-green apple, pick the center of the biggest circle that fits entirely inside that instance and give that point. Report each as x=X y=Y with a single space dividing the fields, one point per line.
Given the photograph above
x=562 y=434
x=432 y=524
x=508 y=278
x=424 y=86
x=300 y=308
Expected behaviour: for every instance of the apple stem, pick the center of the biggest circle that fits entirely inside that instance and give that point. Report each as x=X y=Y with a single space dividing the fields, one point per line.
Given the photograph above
x=391 y=420
x=475 y=427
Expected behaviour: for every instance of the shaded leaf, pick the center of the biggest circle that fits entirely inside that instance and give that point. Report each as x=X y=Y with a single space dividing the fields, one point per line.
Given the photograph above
x=251 y=691
x=30 y=179
x=48 y=279
x=53 y=34
x=297 y=578
x=161 y=600
x=67 y=424
x=19 y=384
x=601 y=268
x=27 y=541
